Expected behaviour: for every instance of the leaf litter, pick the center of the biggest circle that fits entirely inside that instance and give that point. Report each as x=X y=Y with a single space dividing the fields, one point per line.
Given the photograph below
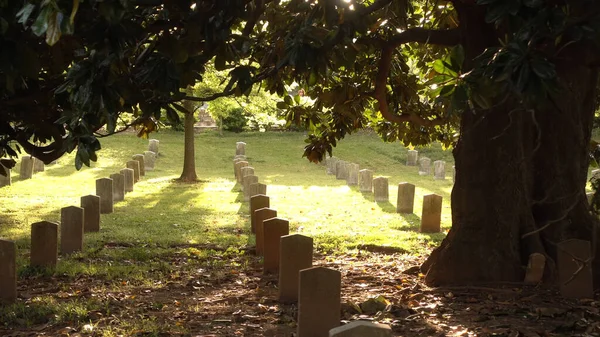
x=234 y=298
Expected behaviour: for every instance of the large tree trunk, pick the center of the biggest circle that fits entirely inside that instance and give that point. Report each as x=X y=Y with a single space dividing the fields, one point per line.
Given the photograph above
x=518 y=172
x=189 y=158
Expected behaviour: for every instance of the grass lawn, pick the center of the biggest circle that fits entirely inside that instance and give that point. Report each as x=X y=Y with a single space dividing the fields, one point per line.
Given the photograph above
x=162 y=223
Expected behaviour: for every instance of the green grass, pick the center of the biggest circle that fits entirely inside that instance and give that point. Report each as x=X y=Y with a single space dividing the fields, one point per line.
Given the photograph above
x=163 y=220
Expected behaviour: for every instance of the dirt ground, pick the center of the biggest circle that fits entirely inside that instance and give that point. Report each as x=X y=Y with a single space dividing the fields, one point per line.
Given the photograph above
x=380 y=287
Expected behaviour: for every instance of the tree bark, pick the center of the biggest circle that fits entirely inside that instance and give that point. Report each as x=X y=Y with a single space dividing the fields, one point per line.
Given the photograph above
x=520 y=181
x=189 y=158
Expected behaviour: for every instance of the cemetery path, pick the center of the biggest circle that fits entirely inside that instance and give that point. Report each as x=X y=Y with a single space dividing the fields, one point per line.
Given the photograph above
x=233 y=298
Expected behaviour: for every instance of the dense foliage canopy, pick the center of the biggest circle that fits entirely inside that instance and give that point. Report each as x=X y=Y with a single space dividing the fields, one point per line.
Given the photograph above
x=70 y=67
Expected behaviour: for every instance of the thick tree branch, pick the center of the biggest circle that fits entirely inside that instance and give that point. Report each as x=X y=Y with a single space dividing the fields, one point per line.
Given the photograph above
x=442 y=37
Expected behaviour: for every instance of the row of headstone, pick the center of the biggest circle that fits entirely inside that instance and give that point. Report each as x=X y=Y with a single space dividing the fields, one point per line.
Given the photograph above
x=74 y=222
x=317 y=290
x=379 y=186
x=424 y=164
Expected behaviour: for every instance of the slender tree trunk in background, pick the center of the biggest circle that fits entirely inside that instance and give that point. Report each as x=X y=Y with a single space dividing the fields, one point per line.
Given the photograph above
x=189 y=157
x=520 y=181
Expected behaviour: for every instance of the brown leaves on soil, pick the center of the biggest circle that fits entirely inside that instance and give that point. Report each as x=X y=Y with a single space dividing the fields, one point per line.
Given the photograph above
x=196 y=299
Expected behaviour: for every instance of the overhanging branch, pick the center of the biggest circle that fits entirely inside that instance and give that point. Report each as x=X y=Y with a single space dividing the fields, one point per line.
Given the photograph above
x=420 y=35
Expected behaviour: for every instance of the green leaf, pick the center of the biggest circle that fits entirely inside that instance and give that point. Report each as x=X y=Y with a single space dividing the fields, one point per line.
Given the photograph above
x=40 y=25
x=288 y=100
x=282 y=105
x=441 y=67
x=543 y=69
x=25 y=12
x=447 y=90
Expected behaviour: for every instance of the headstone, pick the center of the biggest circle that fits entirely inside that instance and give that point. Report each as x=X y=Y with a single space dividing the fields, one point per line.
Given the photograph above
x=365 y=181
x=412 y=157
x=424 y=166
x=361 y=329
x=118 y=187
x=245 y=171
x=135 y=166
x=574 y=269
x=319 y=296
x=5 y=180
x=296 y=253
x=44 y=244
x=262 y=188
x=239 y=166
x=381 y=189
x=453 y=173
x=352 y=178
x=236 y=160
x=104 y=189
x=140 y=159
x=535 y=268
x=273 y=230
x=153 y=145
x=406 y=198
x=432 y=214
x=91 y=215
x=595 y=176
x=249 y=180
x=253 y=190
x=439 y=170
x=38 y=165
x=8 y=271
x=257 y=202
x=149 y=160
x=260 y=215
x=128 y=175
x=331 y=165
x=71 y=229
x=341 y=170
x=240 y=148
x=26 y=171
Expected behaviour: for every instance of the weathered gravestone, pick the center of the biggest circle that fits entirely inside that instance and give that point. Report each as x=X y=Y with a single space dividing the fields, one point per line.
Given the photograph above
x=257 y=202
x=257 y=188
x=71 y=229
x=118 y=186
x=361 y=329
x=8 y=271
x=236 y=160
x=296 y=253
x=574 y=269
x=5 y=180
x=239 y=166
x=91 y=215
x=412 y=157
x=273 y=230
x=104 y=189
x=406 y=198
x=44 y=244
x=149 y=160
x=260 y=215
x=432 y=213
x=140 y=159
x=341 y=170
x=453 y=173
x=365 y=181
x=352 y=178
x=249 y=180
x=381 y=189
x=135 y=166
x=26 y=170
x=38 y=165
x=535 y=268
x=424 y=166
x=439 y=170
x=245 y=171
x=240 y=148
x=589 y=197
x=319 y=296
x=330 y=162
x=129 y=179
x=153 y=145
